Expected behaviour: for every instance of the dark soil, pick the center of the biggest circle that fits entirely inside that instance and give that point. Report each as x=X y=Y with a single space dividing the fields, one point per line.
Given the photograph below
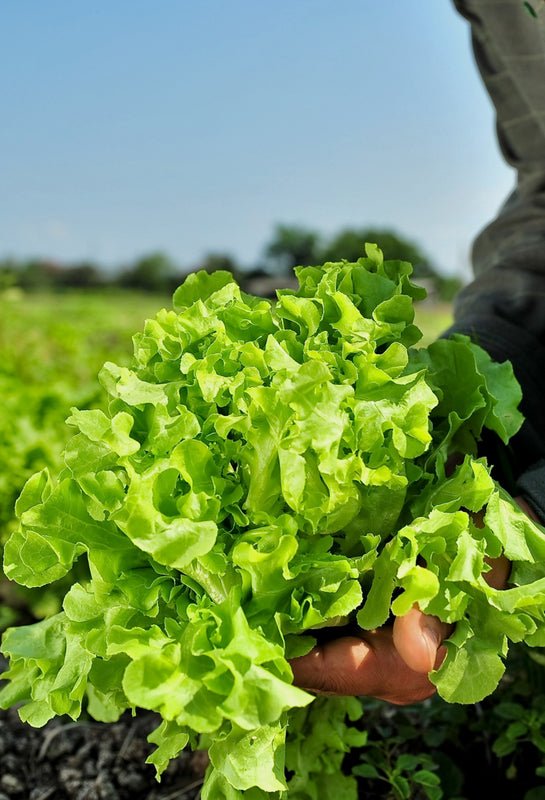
x=68 y=760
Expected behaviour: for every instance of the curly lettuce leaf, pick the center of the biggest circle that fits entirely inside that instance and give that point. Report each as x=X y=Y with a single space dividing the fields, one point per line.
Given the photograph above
x=263 y=470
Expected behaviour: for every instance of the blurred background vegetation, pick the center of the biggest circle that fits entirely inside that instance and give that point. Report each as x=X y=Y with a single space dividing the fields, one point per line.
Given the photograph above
x=288 y=246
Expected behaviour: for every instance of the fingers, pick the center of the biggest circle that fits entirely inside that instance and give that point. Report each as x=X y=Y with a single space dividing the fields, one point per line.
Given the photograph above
x=341 y=666
x=369 y=666
x=391 y=663
x=418 y=638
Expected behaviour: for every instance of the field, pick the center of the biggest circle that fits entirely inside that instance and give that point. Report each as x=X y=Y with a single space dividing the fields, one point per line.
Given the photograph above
x=51 y=350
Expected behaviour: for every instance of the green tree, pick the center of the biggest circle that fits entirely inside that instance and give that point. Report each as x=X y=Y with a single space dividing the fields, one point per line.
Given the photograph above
x=292 y=246
x=151 y=273
x=84 y=275
x=39 y=275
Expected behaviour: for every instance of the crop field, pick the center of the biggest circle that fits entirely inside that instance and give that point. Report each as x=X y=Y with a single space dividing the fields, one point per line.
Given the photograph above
x=51 y=350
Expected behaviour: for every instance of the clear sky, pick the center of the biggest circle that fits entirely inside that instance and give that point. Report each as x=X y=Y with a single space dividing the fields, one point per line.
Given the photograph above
x=196 y=125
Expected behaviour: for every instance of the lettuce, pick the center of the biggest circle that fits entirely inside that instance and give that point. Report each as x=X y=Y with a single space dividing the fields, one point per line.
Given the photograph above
x=264 y=470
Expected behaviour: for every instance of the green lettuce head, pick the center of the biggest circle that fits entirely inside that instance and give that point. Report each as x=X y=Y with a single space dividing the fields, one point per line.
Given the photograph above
x=263 y=470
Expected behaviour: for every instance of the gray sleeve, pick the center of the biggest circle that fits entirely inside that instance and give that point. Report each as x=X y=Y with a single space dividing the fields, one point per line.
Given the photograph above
x=503 y=309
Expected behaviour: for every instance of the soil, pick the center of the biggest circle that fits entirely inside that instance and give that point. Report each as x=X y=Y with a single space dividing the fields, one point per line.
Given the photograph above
x=68 y=760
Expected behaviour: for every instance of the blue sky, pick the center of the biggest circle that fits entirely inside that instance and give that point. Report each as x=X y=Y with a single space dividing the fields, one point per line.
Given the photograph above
x=196 y=125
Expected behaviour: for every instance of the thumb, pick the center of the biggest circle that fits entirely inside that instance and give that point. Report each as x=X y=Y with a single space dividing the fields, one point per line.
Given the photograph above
x=418 y=639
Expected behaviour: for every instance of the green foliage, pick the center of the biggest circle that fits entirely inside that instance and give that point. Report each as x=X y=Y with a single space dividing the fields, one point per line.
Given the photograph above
x=405 y=774
x=292 y=246
x=84 y=275
x=288 y=247
x=260 y=471
x=39 y=275
x=150 y=273
x=319 y=738
x=495 y=747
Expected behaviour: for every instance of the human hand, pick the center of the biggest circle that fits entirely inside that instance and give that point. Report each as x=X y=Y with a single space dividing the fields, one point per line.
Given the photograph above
x=391 y=663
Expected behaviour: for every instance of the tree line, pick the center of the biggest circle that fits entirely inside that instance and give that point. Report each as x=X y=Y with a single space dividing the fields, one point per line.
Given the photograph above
x=289 y=246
